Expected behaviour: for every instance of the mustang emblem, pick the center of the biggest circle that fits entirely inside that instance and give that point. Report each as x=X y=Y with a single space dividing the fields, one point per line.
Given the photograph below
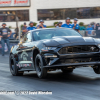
x=92 y=48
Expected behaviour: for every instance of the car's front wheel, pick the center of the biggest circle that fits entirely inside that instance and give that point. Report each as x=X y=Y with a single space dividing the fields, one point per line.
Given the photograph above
x=13 y=67
x=97 y=69
x=40 y=70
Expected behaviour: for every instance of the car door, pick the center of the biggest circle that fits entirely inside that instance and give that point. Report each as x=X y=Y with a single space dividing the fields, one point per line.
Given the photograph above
x=25 y=53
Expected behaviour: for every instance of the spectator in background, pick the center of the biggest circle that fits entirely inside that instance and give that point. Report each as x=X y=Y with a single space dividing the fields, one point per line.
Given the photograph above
x=82 y=28
x=41 y=25
x=89 y=30
x=31 y=26
x=97 y=30
x=75 y=25
x=59 y=25
x=5 y=32
x=67 y=24
x=93 y=25
x=97 y=26
x=24 y=29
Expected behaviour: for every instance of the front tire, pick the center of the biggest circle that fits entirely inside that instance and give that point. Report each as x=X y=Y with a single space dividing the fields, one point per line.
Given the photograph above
x=13 y=67
x=97 y=69
x=40 y=70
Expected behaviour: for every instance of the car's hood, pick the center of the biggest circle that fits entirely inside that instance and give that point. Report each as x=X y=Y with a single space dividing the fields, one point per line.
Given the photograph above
x=55 y=41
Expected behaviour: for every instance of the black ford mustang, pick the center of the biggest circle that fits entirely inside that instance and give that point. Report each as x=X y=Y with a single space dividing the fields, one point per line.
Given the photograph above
x=43 y=50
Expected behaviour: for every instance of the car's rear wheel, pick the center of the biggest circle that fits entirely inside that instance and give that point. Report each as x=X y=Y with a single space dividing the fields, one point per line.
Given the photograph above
x=67 y=70
x=40 y=70
x=97 y=69
x=13 y=67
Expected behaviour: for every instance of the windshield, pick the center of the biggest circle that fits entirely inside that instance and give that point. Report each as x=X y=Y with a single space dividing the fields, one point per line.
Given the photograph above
x=50 y=33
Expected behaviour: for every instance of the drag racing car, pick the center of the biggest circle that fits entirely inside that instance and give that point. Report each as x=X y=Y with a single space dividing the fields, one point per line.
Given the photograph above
x=44 y=50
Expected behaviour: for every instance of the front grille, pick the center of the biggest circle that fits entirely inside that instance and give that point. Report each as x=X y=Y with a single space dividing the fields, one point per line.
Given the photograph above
x=79 y=49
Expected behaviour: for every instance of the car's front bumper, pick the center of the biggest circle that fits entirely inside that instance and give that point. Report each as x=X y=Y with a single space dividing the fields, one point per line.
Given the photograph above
x=73 y=60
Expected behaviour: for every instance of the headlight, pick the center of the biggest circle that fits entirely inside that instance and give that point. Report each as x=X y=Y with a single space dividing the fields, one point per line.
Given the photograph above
x=48 y=48
x=99 y=45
